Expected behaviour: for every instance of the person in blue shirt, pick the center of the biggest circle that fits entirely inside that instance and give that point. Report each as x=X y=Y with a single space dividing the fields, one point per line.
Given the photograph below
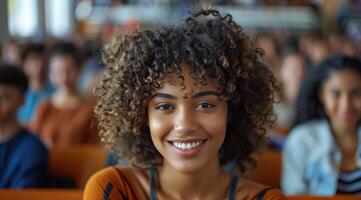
x=322 y=154
x=33 y=63
x=23 y=158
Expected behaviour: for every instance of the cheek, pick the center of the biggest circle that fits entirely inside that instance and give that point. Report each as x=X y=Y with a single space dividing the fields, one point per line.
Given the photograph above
x=216 y=125
x=158 y=126
x=358 y=106
x=329 y=104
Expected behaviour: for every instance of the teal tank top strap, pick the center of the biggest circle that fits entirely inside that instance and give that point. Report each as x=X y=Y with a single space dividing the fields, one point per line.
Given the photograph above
x=153 y=183
x=233 y=187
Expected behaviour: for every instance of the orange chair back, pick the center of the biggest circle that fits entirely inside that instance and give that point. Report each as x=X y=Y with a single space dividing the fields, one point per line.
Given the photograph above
x=268 y=169
x=78 y=162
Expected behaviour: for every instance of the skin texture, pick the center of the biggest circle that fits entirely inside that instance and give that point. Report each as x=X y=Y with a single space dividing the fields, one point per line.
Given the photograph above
x=341 y=97
x=177 y=115
x=33 y=66
x=64 y=72
x=188 y=114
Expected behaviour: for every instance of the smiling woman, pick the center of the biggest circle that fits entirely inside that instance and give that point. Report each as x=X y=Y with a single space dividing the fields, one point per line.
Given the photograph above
x=328 y=124
x=180 y=102
x=187 y=124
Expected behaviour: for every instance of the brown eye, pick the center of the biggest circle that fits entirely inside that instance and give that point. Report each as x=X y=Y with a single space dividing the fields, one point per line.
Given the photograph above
x=335 y=93
x=205 y=105
x=164 y=107
x=356 y=93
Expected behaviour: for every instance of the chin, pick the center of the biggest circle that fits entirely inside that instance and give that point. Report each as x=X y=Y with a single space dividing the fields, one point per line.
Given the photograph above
x=188 y=167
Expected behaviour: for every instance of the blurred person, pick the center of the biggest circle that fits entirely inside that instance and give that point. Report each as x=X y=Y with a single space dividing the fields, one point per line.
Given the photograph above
x=23 y=158
x=340 y=43
x=33 y=63
x=315 y=47
x=65 y=118
x=11 y=52
x=322 y=154
x=270 y=46
x=349 y=48
x=292 y=72
x=90 y=76
x=180 y=102
x=92 y=69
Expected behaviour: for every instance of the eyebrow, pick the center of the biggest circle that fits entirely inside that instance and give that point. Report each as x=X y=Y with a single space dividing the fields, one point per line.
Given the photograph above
x=205 y=93
x=163 y=95
x=198 y=95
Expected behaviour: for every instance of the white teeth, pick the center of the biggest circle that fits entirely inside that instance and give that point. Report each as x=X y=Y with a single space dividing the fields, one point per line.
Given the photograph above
x=187 y=145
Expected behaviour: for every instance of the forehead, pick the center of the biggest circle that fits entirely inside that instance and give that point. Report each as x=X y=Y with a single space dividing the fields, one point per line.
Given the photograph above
x=9 y=89
x=61 y=61
x=62 y=58
x=344 y=79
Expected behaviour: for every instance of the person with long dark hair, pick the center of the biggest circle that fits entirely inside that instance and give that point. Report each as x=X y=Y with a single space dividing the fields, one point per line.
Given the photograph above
x=322 y=155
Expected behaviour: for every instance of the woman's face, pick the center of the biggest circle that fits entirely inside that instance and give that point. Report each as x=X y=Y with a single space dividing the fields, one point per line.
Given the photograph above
x=341 y=98
x=64 y=72
x=34 y=66
x=187 y=125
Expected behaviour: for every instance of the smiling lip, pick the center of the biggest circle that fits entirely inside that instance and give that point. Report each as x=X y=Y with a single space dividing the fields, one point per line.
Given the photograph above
x=187 y=148
x=346 y=116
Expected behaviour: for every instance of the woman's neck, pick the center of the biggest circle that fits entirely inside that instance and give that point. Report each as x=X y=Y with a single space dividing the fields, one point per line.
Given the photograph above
x=344 y=131
x=178 y=185
x=66 y=99
x=36 y=84
x=346 y=138
x=347 y=141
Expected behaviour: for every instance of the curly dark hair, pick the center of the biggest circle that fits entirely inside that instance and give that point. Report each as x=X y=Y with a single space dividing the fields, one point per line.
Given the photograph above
x=14 y=76
x=308 y=104
x=214 y=46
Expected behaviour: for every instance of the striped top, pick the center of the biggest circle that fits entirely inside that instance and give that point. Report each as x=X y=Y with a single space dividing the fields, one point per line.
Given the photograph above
x=349 y=182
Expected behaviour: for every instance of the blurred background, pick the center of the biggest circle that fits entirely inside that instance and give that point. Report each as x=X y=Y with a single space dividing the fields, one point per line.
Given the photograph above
x=308 y=30
x=296 y=35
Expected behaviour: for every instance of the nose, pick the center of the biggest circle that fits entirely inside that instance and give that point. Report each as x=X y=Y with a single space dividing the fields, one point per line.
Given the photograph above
x=185 y=121
x=346 y=103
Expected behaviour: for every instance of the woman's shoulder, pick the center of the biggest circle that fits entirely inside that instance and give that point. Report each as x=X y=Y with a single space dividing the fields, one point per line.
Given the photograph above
x=309 y=132
x=126 y=175
x=250 y=190
x=115 y=183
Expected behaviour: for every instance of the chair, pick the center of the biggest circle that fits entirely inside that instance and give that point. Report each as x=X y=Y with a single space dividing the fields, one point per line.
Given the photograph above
x=76 y=162
x=41 y=194
x=268 y=169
